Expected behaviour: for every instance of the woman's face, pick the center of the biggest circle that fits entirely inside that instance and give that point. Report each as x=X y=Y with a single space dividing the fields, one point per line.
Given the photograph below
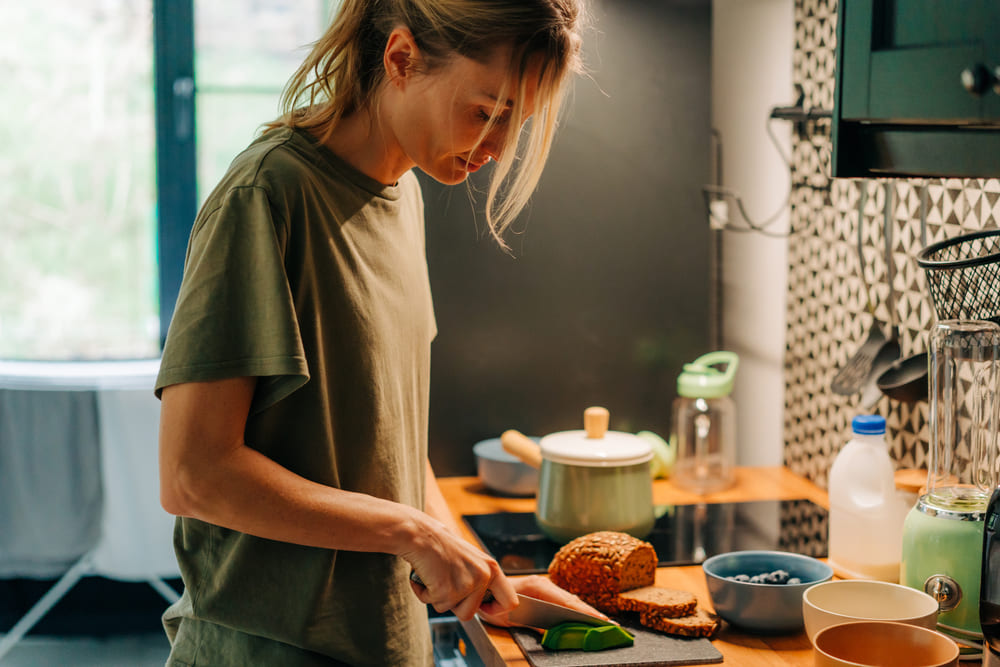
x=443 y=113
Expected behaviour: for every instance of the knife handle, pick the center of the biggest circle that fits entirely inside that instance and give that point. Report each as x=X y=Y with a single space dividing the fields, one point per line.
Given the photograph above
x=415 y=578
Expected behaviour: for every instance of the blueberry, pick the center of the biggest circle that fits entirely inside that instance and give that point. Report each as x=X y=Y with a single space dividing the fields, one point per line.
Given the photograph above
x=777 y=577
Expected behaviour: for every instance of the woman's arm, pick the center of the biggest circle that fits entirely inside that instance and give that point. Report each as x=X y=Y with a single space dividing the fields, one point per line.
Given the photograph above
x=533 y=586
x=207 y=472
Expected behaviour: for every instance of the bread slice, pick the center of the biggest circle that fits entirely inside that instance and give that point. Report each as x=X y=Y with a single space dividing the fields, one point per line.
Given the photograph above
x=598 y=566
x=699 y=623
x=655 y=601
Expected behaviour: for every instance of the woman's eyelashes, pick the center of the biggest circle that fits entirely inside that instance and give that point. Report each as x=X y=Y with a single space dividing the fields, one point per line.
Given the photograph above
x=485 y=114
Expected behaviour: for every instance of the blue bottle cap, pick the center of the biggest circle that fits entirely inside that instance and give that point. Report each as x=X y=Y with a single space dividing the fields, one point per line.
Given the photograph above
x=868 y=424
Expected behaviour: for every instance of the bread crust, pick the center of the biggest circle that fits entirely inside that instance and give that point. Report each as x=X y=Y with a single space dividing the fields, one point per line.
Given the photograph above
x=699 y=623
x=598 y=566
x=616 y=572
x=658 y=601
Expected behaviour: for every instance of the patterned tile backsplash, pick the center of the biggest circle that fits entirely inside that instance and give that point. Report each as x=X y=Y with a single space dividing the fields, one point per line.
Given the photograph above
x=827 y=299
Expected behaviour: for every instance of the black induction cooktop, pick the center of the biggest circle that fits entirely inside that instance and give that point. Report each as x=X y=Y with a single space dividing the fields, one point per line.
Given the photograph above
x=682 y=535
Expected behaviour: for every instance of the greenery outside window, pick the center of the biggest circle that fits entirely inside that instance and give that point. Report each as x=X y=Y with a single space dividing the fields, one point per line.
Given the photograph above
x=101 y=173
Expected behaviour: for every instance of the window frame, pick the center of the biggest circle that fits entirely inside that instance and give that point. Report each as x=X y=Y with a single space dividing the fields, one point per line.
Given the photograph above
x=176 y=160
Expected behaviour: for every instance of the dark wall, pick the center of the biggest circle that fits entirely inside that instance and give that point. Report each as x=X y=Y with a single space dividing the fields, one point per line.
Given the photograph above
x=607 y=295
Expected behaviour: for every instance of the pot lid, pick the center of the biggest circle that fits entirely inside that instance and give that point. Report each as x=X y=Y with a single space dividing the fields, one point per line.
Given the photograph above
x=595 y=446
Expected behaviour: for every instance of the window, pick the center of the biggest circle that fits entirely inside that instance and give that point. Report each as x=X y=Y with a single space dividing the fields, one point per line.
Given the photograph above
x=100 y=177
x=77 y=181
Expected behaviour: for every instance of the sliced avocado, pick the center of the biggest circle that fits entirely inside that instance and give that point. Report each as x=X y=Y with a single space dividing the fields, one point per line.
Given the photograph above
x=565 y=636
x=580 y=636
x=607 y=636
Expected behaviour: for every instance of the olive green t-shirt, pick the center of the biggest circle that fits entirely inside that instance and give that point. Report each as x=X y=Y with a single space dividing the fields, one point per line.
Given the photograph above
x=312 y=277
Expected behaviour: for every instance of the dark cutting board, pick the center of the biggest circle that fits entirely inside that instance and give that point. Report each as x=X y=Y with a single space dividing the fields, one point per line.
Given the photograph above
x=651 y=648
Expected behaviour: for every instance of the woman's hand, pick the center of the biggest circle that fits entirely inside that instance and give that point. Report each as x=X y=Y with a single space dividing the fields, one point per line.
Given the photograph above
x=541 y=588
x=456 y=576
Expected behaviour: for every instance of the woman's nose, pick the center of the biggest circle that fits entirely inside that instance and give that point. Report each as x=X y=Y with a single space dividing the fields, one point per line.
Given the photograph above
x=491 y=148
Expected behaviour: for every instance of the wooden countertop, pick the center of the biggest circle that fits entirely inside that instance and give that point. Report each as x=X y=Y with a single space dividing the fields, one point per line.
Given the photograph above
x=496 y=646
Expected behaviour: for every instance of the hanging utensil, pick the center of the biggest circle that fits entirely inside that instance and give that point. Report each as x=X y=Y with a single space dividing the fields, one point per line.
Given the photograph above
x=890 y=351
x=853 y=376
x=906 y=379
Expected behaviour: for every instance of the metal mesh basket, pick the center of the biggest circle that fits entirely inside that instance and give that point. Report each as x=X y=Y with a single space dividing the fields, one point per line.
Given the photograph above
x=963 y=275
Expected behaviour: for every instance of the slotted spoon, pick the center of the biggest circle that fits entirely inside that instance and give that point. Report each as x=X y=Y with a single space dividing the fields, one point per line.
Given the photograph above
x=858 y=369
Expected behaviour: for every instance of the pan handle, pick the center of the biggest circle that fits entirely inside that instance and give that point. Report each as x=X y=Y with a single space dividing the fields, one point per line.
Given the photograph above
x=523 y=447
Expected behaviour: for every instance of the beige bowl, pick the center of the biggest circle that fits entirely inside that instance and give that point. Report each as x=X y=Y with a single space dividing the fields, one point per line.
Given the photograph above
x=846 y=600
x=883 y=643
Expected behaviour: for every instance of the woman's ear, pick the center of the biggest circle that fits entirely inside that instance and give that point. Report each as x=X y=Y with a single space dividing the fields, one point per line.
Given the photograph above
x=401 y=56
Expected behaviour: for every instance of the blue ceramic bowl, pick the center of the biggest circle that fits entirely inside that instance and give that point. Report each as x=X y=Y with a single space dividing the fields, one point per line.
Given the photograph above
x=762 y=607
x=504 y=473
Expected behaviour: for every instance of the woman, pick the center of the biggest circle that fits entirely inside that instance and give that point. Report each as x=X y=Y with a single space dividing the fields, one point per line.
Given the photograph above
x=294 y=380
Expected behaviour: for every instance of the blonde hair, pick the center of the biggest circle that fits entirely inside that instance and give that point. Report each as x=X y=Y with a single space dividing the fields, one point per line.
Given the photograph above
x=343 y=72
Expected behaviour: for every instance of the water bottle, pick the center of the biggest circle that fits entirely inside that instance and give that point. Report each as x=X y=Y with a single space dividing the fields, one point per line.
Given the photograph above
x=704 y=424
x=866 y=514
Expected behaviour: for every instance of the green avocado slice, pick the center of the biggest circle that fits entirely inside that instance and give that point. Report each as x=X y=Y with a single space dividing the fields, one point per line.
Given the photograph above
x=580 y=636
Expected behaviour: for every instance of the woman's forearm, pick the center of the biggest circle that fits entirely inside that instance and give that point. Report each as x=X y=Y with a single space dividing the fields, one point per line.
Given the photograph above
x=208 y=473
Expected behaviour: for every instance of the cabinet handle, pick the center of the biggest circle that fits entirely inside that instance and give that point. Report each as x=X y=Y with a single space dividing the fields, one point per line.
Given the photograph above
x=978 y=79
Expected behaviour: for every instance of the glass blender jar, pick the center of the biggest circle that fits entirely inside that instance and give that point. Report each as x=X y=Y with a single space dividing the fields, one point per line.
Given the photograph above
x=943 y=532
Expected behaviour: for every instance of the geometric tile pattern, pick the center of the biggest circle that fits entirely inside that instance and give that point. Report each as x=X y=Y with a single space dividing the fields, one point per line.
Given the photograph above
x=804 y=528
x=827 y=315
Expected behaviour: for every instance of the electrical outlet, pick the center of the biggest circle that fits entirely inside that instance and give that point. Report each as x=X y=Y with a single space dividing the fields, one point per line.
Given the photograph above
x=718 y=216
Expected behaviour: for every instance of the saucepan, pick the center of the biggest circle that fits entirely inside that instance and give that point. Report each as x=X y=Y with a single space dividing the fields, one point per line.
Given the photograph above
x=589 y=480
x=502 y=472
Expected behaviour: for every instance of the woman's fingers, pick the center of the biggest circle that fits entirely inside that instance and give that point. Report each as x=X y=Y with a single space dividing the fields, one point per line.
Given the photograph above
x=543 y=589
x=502 y=598
x=498 y=596
x=471 y=580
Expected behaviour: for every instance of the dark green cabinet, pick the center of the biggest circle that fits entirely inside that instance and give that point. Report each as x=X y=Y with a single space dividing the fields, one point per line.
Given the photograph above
x=917 y=89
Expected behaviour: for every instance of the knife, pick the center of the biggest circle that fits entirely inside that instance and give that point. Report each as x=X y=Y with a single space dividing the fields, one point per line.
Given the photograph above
x=534 y=613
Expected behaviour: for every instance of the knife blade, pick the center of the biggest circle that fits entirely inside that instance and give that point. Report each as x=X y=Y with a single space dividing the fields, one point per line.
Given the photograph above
x=534 y=613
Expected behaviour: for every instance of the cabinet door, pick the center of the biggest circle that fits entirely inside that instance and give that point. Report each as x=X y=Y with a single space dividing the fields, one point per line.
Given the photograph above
x=991 y=99
x=903 y=61
x=901 y=106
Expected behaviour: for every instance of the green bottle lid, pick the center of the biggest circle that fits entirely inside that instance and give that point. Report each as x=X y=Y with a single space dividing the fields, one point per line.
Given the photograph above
x=700 y=378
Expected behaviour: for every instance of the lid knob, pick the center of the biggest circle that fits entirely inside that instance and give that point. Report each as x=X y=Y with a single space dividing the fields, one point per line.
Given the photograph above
x=595 y=422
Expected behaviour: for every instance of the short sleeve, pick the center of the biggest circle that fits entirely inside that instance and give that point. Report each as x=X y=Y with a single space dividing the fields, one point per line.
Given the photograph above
x=235 y=315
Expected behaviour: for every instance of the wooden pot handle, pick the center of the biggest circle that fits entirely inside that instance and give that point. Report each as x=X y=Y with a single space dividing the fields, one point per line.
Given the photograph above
x=523 y=447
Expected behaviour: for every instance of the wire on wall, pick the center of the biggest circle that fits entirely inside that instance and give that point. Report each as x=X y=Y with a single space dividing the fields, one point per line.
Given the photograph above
x=720 y=200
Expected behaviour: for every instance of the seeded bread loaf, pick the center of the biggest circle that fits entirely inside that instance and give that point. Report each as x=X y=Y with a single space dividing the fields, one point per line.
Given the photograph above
x=598 y=566
x=657 y=601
